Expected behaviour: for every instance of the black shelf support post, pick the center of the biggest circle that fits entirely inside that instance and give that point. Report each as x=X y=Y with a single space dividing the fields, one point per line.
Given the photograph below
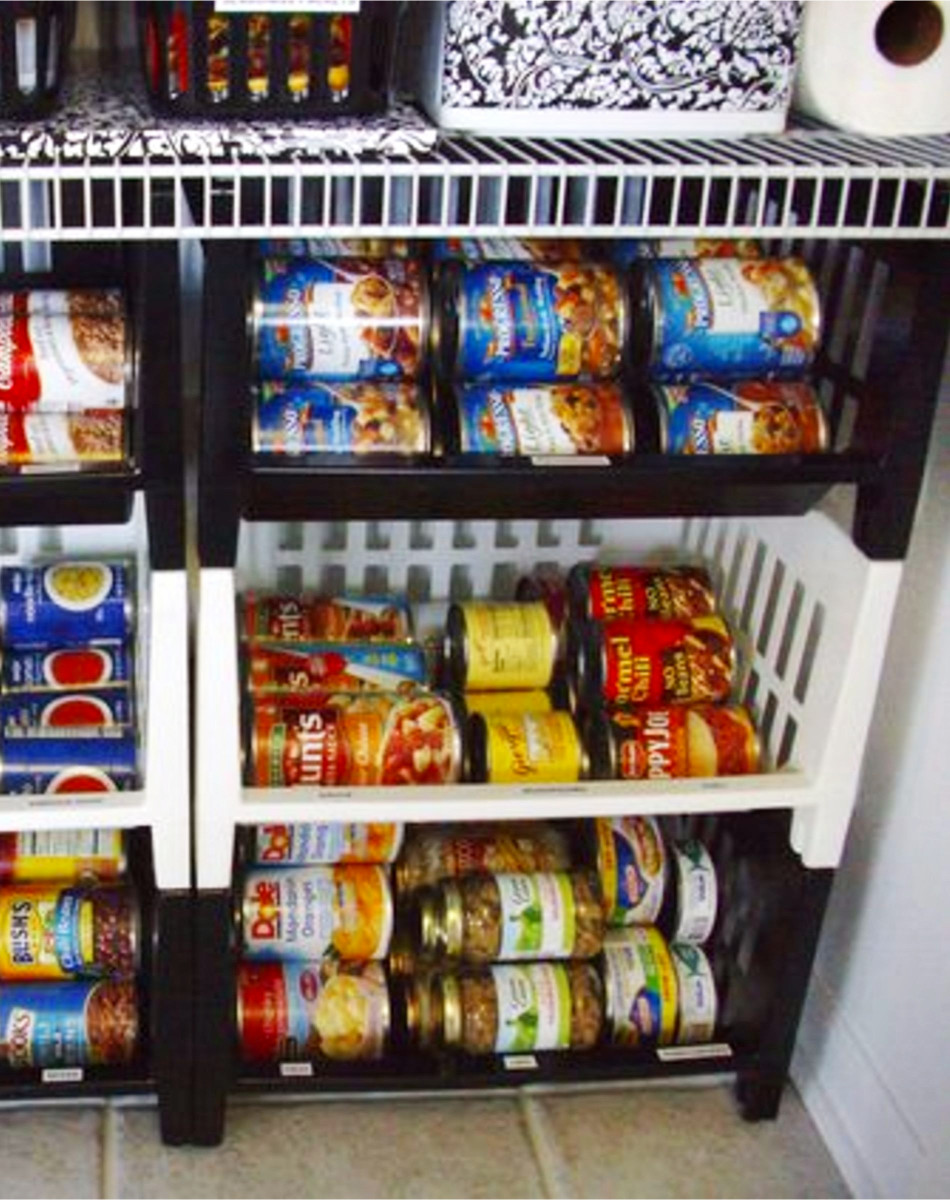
x=213 y=1062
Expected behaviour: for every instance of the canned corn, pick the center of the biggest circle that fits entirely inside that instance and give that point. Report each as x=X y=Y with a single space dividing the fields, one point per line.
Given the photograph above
x=526 y=747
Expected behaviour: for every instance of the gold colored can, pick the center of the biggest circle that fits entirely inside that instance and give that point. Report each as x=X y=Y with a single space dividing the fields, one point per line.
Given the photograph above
x=492 y=703
x=494 y=646
x=527 y=748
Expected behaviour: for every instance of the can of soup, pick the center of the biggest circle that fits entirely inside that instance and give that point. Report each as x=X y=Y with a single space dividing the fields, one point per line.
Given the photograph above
x=65 y=855
x=640 y=988
x=544 y=420
x=94 y=667
x=749 y=417
x=696 y=991
x=67 y=603
x=600 y=593
x=341 y=418
x=726 y=318
x=49 y=439
x=526 y=747
x=498 y=646
x=295 y=1011
x=308 y=618
x=68 y=1024
x=631 y=862
x=323 y=667
x=108 y=762
x=340 y=319
x=57 y=713
x=324 y=842
x=316 y=912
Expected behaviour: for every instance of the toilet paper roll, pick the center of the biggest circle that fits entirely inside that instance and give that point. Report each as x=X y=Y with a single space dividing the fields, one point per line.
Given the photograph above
x=876 y=67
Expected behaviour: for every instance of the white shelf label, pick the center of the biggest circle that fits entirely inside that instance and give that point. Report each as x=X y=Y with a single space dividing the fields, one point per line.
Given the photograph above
x=520 y=1062
x=570 y=460
x=62 y=1075
x=706 y=1050
x=296 y=1070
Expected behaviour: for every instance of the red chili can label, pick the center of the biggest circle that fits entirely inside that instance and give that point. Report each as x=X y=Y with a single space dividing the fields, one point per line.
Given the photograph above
x=326 y=842
x=311 y=1010
x=315 y=667
x=356 y=740
x=680 y=741
x=602 y=593
x=60 y=712
x=631 y=863
x=92 y=667
x=667 y=662
x=326 y=619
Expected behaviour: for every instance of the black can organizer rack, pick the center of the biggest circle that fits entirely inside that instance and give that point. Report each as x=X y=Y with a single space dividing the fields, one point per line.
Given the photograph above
x=135 y=512
x=304 y=521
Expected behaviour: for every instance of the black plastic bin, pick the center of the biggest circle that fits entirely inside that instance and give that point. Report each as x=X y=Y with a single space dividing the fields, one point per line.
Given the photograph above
x=34 y=50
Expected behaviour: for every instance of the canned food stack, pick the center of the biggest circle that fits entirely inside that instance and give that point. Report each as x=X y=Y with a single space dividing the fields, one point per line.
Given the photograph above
x=70 y=950
x=68 y=720
x=337 y=693
x=315 y=916
x=340 y=354
x=727 y=344
x=64 y=380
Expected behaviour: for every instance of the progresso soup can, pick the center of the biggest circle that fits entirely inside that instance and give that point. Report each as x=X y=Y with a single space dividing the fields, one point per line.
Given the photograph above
x=67 y=603
x=746 y=417
x=80 y=668
x=726 y=318
x=340 y=319
x=519 y=322
x=74 y=1024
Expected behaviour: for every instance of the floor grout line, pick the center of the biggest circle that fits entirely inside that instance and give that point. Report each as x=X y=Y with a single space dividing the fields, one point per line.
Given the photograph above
x=111 y=1136
x=550 y=1162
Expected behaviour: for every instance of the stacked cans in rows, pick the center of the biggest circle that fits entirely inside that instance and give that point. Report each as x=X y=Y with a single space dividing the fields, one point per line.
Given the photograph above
x=67 y=708
x=64 y=379
x=70 y=948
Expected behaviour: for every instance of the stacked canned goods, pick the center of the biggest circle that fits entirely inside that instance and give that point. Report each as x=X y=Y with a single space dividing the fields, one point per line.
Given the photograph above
x=315 y=919
x=337 y=693
x=67 y=709
x=70 y=949
x=530 y=348
x=65 y=383
x=340 y=336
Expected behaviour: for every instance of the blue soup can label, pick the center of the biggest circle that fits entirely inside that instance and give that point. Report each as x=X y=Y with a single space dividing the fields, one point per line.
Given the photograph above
x=67 y=603
x=343 y=418
x=32 y=765
x=544 y=419
x=78 y=668
x=340 y=319
x=67 y=1024
x=746 y=417
x=731 y=318
x=523 y=322
x=56 y=713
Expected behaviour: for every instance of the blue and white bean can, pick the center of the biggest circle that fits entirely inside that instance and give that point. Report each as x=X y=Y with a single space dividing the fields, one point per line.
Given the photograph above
x=72 y=1024
x=64 y=670
x=340 y=418
x=43 y=765
x=66 y=603
x=58 y=713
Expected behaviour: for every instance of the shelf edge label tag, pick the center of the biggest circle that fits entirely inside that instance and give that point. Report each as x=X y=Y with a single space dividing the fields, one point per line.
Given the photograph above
x=62 y=1075
x=703 y=1050
x=296 y=1070
x=520 y=1062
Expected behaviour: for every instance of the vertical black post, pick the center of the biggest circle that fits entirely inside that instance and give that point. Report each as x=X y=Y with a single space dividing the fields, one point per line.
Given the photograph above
x=172 y=1022
x=214 y=1015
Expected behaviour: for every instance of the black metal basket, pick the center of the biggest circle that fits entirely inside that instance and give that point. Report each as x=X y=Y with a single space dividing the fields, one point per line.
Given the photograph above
x=202 y=62
x=34 y=49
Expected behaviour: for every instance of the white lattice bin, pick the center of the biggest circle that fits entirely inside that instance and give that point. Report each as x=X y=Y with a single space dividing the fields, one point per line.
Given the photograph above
x=810 y=613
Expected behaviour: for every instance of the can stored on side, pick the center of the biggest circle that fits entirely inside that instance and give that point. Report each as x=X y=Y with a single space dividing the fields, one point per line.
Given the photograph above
x=640 y=988
x=72 y=440
x=323 y=842
x=108 y=762
x=67 y=603
x=498 y=646
x=314 y=668
x=96 y=667
x=696 y=991
x=56 y=713
x=601 y=593
x=309 y=618
x=746 y=417
x=526 y=747
x=631 y=861
x=692 y=899
x=65 y=855
x=75 y=1024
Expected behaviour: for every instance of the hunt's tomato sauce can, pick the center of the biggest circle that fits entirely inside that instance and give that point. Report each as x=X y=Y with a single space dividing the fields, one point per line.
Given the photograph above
x=67 y=603
x=59 y=712
x=294 y=1011
x=672 y=742
x=632 y=661
x=602 y=593
x=325 y=842
x=51 y=763
x=314 y=667
x=355 y=739
x=325 y=618
x=92 y=667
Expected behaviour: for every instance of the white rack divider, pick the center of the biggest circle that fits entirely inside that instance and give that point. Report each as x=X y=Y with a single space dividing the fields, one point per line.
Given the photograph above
x=161 y=663
x=810 y=613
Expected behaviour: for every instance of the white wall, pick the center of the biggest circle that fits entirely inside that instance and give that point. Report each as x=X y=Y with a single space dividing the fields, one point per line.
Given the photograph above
x=873 y=1056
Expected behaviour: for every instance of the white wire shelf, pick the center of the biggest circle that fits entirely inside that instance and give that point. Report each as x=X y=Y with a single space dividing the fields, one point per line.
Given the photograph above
x=104 y=167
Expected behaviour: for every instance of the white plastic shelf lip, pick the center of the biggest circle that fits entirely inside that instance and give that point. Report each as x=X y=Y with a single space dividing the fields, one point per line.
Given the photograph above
x=77 y=810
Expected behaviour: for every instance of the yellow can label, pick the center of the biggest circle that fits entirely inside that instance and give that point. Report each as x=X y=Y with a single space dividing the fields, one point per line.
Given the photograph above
x=45 y=933
x=533 y=748
x=509 y=646
x=489 y=703
x=641 y=986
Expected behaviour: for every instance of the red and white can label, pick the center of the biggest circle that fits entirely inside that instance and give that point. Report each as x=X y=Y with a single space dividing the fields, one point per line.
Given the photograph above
x=667 y=662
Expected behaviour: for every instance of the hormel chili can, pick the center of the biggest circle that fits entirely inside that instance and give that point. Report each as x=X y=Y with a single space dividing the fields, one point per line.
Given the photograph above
x=47 y=764
x=310 y=1010
x=672 y=742
x=631 y=661
x=67 y=603
x=602 y=593
x=355 y=739
x=325 y=618
x=59 y=712
x=325 y=842
x=94 y=667
x=314 y=667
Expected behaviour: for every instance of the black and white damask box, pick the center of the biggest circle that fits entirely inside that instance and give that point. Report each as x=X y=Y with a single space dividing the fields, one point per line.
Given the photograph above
x=605 y=67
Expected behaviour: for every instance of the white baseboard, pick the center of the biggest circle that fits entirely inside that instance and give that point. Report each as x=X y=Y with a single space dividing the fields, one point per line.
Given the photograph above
x=860 y=1119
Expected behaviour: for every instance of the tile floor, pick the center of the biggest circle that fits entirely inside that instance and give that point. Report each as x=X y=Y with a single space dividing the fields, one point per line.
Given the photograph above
x=628 y=1141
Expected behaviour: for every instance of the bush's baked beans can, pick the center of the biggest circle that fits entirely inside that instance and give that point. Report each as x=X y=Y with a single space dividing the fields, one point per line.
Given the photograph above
x=726 y=318
x=672 y=742
x=316 y=912
x=295 y=1011
x=632 y=865
x=52 y=762
x=746 y=417
x=93 y=667
x=692 y=895
x=655 y=662
x=341 y=418
x=602 y=593
x=59 y=712
x=48 y=931
x=325 y=618
x=640 y=988
x=518 y=322
x=64 y=855
x=325 y=667
x=500 y=646
x=340 y=319
x=324 y=842
x=63 y=351
x=68 y=1024
x=67 y=603
x=696 y=991
x=543 y=420
x=526 y=747
x=46 y=439
x=373 y=738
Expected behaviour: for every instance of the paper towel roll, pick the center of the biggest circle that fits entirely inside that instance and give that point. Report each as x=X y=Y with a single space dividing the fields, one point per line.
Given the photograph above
x=876 y=67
